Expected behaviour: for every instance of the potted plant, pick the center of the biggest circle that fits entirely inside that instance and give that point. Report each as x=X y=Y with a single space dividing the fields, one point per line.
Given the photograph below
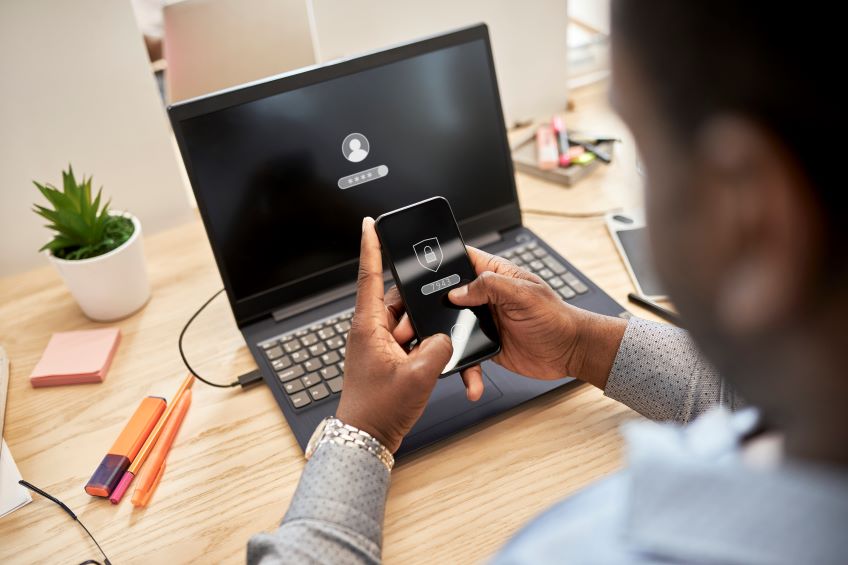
x=97 y=251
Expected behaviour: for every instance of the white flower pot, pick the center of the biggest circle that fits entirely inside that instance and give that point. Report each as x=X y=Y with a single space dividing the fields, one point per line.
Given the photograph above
x=110 y=286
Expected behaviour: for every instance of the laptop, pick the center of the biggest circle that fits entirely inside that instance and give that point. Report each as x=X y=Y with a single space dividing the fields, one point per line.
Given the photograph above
x=284 y=170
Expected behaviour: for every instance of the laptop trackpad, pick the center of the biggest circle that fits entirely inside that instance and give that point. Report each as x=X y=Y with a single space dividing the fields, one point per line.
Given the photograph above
x=448 y=401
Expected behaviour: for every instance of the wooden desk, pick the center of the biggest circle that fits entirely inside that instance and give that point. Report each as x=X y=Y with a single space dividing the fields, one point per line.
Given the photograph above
x=235 y=463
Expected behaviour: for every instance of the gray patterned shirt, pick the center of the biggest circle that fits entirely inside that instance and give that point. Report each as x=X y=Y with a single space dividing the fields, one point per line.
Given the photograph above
x=686 y=496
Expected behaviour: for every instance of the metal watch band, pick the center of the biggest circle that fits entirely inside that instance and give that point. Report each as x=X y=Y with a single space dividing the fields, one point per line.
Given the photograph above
x=336 y=431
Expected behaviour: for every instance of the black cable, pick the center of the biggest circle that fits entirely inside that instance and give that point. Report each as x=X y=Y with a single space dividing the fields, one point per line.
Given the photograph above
x=182 y=353
x=70 y=513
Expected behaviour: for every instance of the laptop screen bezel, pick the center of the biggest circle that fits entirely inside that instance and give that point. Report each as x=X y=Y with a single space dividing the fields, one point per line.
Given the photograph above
x=256 y=306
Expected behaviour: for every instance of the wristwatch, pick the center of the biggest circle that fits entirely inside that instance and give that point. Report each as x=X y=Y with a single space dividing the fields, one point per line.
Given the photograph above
x=333 y=430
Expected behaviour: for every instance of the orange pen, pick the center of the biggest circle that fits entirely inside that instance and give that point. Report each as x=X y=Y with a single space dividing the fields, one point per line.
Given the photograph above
x=152 y=473
x=139 y=460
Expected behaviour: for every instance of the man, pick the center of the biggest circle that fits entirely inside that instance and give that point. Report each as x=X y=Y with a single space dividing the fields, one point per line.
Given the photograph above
x=730 y=112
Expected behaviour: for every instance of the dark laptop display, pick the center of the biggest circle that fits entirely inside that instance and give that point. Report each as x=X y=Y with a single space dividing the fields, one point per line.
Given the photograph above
x=284 y=191
x=285 y=169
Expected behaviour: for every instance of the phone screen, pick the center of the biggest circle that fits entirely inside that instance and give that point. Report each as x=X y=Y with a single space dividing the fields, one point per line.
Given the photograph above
x=428 y=258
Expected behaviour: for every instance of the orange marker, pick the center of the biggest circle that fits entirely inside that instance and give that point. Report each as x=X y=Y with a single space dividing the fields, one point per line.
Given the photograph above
x=152 y=473
x=122 y=487
x=126 y=448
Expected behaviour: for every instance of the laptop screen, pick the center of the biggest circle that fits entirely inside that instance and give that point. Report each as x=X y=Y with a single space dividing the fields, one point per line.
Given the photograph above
x=284 y=180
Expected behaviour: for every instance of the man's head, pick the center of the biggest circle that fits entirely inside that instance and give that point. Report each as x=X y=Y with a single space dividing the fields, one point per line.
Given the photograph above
x=739 y=122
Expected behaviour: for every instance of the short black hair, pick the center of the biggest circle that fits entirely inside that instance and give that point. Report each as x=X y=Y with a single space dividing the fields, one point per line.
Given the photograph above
x=776 y=64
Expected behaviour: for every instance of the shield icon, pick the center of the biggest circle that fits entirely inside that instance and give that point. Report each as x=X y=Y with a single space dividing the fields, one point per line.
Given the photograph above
x=429 y=253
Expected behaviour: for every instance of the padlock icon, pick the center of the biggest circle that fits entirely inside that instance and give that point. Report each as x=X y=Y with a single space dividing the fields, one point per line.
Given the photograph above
x=429 y=254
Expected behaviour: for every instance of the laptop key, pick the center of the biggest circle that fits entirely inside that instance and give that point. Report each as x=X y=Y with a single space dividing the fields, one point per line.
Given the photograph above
x=311 y=379
x=537 y=265
x=566 y=292
x=330 y=358
x=326 y=333
x=580 y=287
x=317 y=349
x=335 y=385
x=329 y=372
x=300 y=399
x=286 y=338
x=319 y=391
x=335 y=342
x=342 y=327
x=300 y=356
x=532 y=245
x=292 y=346
x=290 y=374
x=527 y=257
x=281 y=363
x=301 y=332
x=555 y=282
x=274 y=352
x=312 y=364
x=294 y=386
x=309 y=339
x=347 y=315
x=546 y=273
x=315 y=327
x=268 y=344
x=341 y=367
x=540 y=253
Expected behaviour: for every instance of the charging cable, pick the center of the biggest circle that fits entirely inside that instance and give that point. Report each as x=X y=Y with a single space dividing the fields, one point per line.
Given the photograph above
x=244 y=380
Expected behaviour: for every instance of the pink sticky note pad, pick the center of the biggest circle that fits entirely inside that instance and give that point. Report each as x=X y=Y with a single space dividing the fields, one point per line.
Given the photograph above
x=76 y=357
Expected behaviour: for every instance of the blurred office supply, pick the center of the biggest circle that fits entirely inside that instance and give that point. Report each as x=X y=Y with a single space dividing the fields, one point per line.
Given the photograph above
x=652 y=306
x=566 y=168
x=77 y=87
x=210 y=45
x=529 y=41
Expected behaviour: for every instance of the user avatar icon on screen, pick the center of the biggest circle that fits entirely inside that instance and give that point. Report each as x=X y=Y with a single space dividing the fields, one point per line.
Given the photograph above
x=355 y=147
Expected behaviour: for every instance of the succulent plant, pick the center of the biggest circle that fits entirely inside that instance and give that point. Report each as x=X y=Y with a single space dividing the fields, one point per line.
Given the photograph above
x=83 y=227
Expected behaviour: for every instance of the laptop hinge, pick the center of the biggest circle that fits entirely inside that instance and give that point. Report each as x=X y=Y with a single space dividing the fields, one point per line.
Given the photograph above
x=484 y=240
x=320 y=299
x=314 y=302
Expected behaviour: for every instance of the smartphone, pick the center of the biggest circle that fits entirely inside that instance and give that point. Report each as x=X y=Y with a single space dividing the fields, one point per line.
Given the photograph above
x=630 y=236
x=427 y=256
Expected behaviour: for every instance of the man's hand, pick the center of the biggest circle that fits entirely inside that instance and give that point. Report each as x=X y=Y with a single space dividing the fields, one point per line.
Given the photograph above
x=385 y=388
x=541 y=336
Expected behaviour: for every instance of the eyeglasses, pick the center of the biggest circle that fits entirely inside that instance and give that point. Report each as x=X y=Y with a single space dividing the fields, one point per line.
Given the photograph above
x=70 y=513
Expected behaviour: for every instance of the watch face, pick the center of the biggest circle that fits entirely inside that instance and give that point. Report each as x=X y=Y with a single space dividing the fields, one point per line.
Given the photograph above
x=316 y=437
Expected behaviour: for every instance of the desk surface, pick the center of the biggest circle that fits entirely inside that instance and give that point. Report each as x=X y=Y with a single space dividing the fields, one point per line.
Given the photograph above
x=235 y=463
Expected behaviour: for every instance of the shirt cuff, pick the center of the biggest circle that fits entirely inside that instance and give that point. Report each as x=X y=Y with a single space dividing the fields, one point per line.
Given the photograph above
x=344 y=486
x=654 y=369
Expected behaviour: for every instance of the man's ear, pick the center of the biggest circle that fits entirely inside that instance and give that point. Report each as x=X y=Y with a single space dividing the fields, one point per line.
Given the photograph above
x=767 y=225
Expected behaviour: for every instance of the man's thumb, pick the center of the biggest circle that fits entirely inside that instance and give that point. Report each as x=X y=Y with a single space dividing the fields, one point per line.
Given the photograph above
x=429 y=359
x=488 y=288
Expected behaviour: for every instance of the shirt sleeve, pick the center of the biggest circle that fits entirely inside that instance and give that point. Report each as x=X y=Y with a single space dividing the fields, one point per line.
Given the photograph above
x=660 y=373
x=336 y=514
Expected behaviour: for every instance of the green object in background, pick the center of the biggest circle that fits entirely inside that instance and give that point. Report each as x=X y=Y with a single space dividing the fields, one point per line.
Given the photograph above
x=84 y=229
x=584 y=158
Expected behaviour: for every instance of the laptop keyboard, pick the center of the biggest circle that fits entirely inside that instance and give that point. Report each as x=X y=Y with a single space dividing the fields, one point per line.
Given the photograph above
x=309 y=361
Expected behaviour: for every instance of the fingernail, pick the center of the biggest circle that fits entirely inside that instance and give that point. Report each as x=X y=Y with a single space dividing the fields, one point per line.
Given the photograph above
x=365 y=222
